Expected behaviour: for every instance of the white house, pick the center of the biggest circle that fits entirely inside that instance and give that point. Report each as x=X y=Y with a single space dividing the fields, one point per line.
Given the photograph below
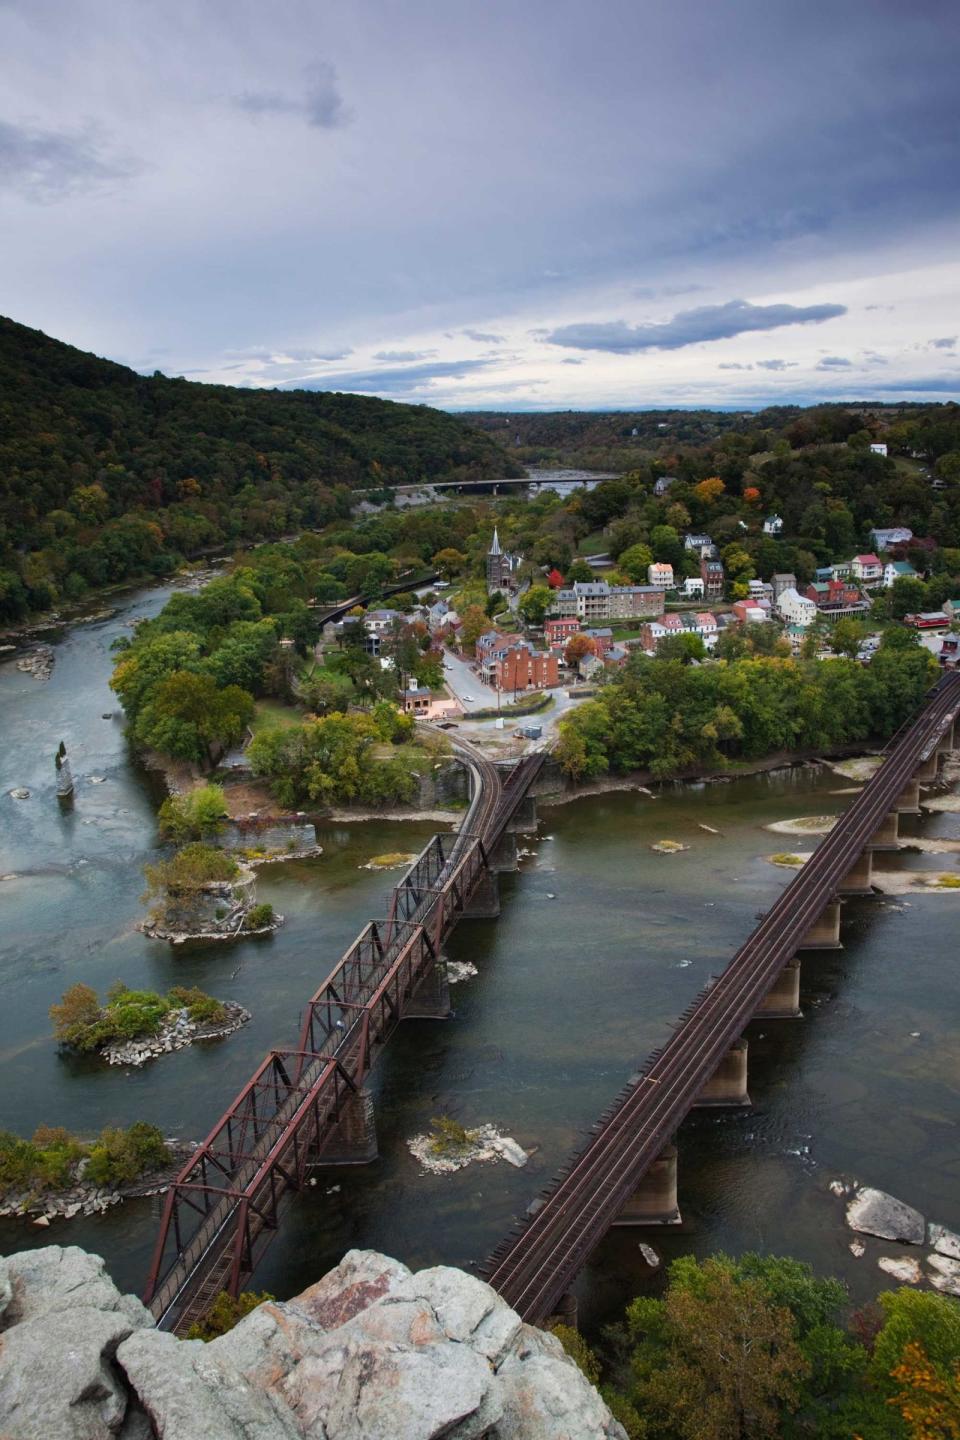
x=692 y=586
x=760 y=590
x=894 y=535
x=879 y=450
x=866 y=568
x=660 y=573
x=898 y=570
x=772 y=525
x=795 y=608
x=697 y=542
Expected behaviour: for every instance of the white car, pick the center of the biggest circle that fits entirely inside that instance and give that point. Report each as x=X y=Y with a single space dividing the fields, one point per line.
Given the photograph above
x=467 y=698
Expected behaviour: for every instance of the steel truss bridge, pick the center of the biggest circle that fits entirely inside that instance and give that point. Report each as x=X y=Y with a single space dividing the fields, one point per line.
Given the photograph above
x=535 y=1265
x=301 y=1105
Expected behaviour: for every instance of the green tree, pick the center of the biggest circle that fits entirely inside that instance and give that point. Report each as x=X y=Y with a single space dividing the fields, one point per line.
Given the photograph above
x=534 y=604
x=196 y=815
x=847 y=636
x=579 y=571
x=634 y=562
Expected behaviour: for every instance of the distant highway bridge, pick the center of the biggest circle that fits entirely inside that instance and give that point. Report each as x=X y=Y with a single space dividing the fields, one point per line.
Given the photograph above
x=626 y=1173
x=308 y=1106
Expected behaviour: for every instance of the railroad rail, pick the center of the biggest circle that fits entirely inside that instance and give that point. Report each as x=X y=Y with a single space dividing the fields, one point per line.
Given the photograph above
x=535 y=1265
x=227 y=1202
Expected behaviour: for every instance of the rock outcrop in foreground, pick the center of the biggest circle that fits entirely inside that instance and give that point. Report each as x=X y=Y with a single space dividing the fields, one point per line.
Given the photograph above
x=371 y=1352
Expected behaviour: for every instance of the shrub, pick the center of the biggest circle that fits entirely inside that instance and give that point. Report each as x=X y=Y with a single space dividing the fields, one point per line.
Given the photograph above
x=119 y=1156
x=225 y=1312
x=85 y=1026
x=197 y=815
x=203 y=1009
x=258 y=916
x=191 y=868
x=448 y=1135
x=579 y=1351
x=49 y=1160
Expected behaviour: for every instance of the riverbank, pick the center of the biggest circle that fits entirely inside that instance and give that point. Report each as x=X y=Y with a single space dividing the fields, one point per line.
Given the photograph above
x=642 y=780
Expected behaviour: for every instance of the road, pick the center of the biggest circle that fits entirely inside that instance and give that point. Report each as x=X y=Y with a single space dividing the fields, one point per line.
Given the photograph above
x=461 y=681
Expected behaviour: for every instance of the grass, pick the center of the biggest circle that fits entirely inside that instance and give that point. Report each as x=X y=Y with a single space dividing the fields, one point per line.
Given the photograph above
x=594 y=544
x=625 y=632
x=273 y=715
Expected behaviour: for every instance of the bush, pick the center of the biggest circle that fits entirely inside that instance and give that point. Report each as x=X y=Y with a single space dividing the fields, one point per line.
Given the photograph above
x=198 y=815
x=203 y=1009
x=449 y=1135
x=49 y=1160
x=191 y=868
x=120 y=1156
x=81 y=1023
x=225 y=1312
x=258 y=916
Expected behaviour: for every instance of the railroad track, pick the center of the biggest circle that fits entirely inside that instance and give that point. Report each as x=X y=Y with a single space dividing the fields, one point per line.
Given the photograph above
x=534 y=1266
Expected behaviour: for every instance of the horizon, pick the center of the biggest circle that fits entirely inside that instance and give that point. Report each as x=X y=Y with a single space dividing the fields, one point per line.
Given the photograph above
x=641 y=207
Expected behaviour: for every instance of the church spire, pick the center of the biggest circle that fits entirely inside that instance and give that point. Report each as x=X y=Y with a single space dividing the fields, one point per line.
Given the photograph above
x=495 y=544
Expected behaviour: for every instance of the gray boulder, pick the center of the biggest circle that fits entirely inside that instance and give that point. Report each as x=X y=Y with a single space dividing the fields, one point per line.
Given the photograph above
x=57 y=1381
x=62 y=1277
x=547 y=1397
x=873 y=1212
x=189 y=1394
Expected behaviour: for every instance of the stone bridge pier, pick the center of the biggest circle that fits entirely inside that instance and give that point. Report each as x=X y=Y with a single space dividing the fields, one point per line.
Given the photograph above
x=654 y=1202
x=354 y=1139
x=728 y=1084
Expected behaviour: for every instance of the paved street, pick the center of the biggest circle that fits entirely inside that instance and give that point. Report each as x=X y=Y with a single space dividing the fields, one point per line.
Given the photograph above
x=462 y=681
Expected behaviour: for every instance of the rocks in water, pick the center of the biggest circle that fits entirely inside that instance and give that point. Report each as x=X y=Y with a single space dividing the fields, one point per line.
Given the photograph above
x=393 y=860
x=669 y=847
x=20 y=793
x=371 y=1352
x=873 y=1212
x=905 y=1270
x=38 y=663
x=857 y=1249
x=946 y=1273
x=944 y=1241
x=481 y=1144
x=804 y=825
x=176 y=1033
x=650 y=1255
x=458 y=970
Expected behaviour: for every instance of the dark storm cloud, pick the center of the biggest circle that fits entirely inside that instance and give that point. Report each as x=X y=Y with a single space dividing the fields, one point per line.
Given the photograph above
x=46 y=165
x=834 y=362
x=319 y=100
x=400 y=379
x=691 y=327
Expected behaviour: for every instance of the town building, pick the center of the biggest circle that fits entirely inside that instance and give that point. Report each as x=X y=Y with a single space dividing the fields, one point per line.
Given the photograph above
x=602 y=637
x=748 y=613
x=892 y=535
x=951 y=608
x=697 y=543
x=662 y=484
x=898 y=570
x=795 y=635
x=590 y=667
x=760 y=590
x=836 y=597
x=616 y=657
x=596 y=600
x=441 y=618
x=782 y=581
x=773 y=525
x=507 y=663
x=796 y=609
x=928 y=620
x=660 y=574
x=502 y=567
x=558 y=629
x=867 y=568
x=879 y=450
x=416 y=699
x=711 y=573
x=692 y=587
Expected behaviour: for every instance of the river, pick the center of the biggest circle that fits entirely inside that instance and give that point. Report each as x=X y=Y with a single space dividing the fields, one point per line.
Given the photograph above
x=600 y=945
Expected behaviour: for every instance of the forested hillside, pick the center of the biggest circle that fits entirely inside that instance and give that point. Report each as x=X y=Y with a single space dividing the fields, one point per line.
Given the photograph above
x=106 y=474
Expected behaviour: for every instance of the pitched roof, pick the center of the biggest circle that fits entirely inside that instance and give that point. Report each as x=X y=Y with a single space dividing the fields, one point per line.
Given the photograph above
x=495 y=543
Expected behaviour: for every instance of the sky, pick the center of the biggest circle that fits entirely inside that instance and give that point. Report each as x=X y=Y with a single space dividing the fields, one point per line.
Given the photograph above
x=548 y=204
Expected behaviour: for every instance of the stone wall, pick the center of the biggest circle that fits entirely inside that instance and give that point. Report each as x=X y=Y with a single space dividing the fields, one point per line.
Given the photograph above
x=444 y=784
x=371 y=1352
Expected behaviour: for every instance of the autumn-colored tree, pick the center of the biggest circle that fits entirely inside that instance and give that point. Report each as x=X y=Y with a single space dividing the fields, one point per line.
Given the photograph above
x=709 y=491
x=449 y=562
x=929 y=1398
x=751 y=495
x=473 y=622
x=79 y=1008
x=578 y=646
x=555 y=579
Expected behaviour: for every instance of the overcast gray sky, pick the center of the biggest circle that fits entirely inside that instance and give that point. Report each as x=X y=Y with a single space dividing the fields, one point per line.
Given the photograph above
x=538 y=203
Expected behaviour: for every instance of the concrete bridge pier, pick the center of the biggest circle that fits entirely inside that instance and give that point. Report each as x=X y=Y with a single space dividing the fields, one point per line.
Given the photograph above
x=824 y=933
x=654 y=1202
x=927 y=771
x=908 y=801
x=728 y=1084
x=484 y=903
x=504 y=857
x=354 y=1141
x=859 y=879
x=566 y=1312
x=887 y=835
x=783 y=1001
x=431 y=999
x=524 y=818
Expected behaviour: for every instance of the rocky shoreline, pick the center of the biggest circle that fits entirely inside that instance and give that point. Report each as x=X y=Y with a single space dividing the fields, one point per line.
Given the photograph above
x=82 y=1198
x=177 y=1032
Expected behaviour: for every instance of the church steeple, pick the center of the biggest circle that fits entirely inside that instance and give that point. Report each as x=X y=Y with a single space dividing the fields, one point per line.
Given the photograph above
x=495 y=543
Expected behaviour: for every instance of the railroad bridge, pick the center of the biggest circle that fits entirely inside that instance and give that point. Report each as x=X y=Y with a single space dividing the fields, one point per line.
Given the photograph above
x=309 y=1106
x=626 y=1173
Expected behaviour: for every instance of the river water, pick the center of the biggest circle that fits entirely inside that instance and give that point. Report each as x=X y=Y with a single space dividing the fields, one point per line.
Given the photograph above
x=600 y=945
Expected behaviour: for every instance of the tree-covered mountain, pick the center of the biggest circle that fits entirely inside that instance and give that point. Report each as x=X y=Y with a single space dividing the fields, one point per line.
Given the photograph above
x=107 y=474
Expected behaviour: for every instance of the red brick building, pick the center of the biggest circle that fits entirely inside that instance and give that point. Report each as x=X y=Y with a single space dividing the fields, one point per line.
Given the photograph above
x=558 y=630
x=522 y=668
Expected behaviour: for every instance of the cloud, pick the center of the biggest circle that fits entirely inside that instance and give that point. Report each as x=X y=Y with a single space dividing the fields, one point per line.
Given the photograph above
x=690 y=327
x=484 y=337
x=400 y=379
x=834 y=362
x=777 y=364
x=320 y=104
x=571 y=361
x=400 y=355
x=735 y=365
x=48 y=165
x=934 y=385
x=945 y=342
